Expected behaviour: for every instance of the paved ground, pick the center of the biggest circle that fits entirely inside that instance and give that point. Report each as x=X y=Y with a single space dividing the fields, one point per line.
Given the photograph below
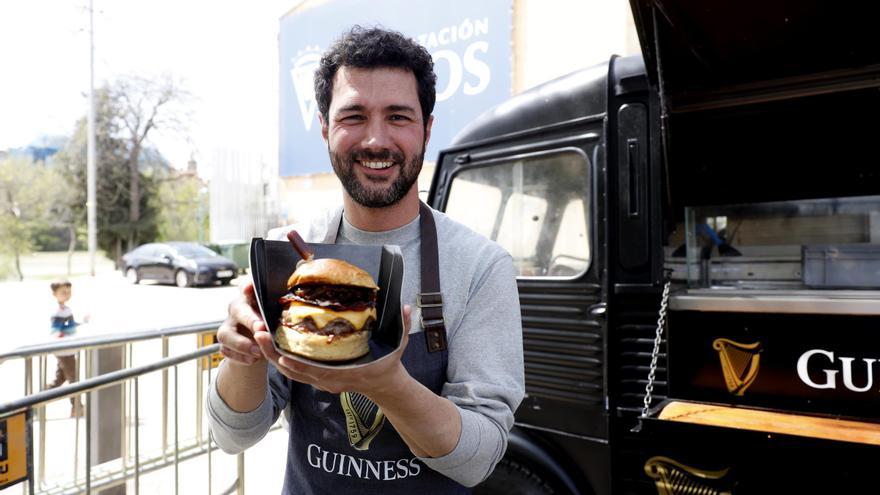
x=114 y=305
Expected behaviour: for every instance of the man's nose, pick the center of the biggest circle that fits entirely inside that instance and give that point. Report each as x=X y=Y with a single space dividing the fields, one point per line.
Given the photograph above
x=377 y=136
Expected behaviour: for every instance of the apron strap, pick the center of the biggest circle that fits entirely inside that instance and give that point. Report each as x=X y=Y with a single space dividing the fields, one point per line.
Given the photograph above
x=430 y=300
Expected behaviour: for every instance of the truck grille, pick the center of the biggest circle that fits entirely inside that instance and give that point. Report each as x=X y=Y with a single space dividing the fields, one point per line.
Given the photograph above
x=563 y=344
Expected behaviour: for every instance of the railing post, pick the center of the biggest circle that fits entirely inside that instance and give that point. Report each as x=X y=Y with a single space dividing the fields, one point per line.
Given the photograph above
x=210 y=441
x=88 y=427
x=28 y=389
x=137 y=449
x=240 y=464
x=164 y=398
x=199 y=391
x=78 y=398
x=176 y=444
x=107 y=417
x=123 y=412
x=41 y=414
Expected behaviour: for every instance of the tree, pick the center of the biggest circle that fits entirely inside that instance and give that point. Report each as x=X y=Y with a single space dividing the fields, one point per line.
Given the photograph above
x=183 y=208
x=28 y=193
x=143 y=106
x=128 y=169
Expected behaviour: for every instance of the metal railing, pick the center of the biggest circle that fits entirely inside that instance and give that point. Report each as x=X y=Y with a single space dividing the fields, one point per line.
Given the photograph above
x=130 y=464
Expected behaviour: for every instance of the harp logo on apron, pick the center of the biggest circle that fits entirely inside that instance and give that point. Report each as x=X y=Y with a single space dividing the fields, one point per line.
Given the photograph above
x=363 y=419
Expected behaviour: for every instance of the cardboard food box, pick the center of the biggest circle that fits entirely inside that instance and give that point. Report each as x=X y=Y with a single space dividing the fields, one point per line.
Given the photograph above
x=272 y=263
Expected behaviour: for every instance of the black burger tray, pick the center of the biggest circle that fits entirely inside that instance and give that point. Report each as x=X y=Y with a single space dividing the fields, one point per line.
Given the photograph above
x=272 y=263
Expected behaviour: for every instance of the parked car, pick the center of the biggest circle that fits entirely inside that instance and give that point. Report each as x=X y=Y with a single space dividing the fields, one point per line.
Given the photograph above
x=181 y=263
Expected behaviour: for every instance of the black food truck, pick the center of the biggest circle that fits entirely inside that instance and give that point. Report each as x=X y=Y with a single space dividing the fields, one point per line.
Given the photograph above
x=697 y=234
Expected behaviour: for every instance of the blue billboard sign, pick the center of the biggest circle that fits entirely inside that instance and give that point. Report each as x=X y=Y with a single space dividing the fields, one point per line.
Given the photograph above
x=469 y=41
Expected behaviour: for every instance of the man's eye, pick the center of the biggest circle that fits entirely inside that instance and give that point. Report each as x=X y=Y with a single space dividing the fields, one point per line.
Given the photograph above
x=400 y=118
x=352 y=118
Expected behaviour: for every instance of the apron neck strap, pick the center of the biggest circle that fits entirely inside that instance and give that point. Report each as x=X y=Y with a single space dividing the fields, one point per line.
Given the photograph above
x=430 y=300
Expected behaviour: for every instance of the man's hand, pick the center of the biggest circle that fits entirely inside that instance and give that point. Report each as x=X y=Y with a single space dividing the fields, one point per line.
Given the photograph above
x=236 y=334
x=368 y=380
x=241 y=381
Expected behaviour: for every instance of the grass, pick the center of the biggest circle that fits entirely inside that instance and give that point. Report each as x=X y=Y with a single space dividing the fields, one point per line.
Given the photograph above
x=46 y=265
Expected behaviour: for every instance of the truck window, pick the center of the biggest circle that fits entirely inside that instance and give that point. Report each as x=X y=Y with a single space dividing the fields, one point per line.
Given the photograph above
x=535 y=206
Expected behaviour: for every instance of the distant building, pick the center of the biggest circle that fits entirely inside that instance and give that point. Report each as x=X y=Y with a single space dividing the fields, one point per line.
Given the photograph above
x=40 y=150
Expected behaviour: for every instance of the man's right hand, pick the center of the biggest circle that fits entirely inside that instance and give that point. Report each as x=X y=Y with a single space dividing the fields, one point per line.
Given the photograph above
x=236 y=334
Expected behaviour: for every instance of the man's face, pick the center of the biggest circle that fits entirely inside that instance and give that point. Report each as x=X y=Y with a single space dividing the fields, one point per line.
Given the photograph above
x=376 y=134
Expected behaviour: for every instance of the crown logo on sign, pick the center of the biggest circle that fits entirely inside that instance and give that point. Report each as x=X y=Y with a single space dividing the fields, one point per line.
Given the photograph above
x=302 y=73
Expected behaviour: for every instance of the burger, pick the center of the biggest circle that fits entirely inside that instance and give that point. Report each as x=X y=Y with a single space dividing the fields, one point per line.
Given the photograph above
x=328 y=312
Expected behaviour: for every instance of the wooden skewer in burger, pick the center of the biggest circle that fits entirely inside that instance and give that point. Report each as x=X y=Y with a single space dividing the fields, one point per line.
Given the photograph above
x=329 y=310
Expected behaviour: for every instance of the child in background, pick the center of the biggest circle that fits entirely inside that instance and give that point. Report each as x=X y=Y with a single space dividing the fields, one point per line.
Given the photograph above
x=64 y=325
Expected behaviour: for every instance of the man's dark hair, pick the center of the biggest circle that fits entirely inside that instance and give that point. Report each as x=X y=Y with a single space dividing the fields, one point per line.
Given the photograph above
x=59 y=283
x=370 y=48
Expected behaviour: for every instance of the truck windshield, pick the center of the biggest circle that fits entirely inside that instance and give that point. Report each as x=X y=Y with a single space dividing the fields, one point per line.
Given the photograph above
x=536 y=206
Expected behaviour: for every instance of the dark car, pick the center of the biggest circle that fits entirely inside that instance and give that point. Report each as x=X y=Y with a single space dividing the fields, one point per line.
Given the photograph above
x=181 y=263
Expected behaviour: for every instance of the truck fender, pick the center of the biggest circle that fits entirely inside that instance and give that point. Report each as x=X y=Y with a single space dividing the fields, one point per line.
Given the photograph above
x=521 y=447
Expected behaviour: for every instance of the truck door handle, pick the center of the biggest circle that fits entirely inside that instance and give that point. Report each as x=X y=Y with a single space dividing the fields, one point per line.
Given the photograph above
x=632 y=160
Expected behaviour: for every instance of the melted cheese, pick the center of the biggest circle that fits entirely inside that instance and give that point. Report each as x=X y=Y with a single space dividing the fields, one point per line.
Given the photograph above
x=323 y=316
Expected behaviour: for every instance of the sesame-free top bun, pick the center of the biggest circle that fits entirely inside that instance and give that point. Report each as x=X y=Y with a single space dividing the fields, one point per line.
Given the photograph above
x=331 y=272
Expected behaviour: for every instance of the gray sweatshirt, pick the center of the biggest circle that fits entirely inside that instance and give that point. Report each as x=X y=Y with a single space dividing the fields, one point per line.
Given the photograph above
x=484 y=331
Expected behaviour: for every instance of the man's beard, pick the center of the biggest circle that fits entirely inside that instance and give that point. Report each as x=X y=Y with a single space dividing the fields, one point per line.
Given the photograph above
x=377 y=198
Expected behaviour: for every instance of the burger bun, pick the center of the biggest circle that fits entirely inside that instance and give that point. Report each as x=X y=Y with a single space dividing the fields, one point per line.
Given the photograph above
x=331 y=271
x=317 y=347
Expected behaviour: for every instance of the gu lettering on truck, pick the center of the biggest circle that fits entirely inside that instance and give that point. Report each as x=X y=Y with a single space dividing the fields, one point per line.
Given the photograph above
x=823 y=363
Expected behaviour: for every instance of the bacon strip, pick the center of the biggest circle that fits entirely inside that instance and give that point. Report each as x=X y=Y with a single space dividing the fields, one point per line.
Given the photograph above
x=335 y=297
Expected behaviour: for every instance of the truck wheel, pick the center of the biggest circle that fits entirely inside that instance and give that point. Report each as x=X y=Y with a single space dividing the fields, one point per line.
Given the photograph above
x=513 y=478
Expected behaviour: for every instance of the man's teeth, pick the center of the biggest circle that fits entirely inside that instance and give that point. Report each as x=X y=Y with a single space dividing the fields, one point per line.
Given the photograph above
x=377 y=165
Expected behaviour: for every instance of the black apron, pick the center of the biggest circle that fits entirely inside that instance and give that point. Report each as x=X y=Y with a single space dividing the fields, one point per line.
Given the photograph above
x=342 y=443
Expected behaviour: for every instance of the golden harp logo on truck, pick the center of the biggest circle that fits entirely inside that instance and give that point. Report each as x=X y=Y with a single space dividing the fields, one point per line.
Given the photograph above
x=674 y=478
x=739 y=363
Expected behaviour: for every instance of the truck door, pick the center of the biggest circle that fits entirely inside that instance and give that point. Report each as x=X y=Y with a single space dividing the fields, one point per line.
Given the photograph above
x=540 y=203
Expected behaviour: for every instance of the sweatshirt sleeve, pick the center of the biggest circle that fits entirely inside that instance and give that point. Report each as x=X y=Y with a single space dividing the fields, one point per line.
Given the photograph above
x=236 y=431
x=485 y=377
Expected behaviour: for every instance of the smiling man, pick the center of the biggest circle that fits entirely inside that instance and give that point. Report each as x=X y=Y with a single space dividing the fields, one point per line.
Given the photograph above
x=435 y=417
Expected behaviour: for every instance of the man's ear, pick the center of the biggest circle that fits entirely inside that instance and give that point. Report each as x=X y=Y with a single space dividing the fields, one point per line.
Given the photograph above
x=428 y=129
x=324 y=129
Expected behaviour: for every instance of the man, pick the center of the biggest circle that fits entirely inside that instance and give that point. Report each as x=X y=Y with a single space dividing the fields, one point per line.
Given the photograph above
x=429 y=419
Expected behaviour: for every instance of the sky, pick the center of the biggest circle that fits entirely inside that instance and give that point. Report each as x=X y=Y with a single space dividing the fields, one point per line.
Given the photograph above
x=225 y=53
